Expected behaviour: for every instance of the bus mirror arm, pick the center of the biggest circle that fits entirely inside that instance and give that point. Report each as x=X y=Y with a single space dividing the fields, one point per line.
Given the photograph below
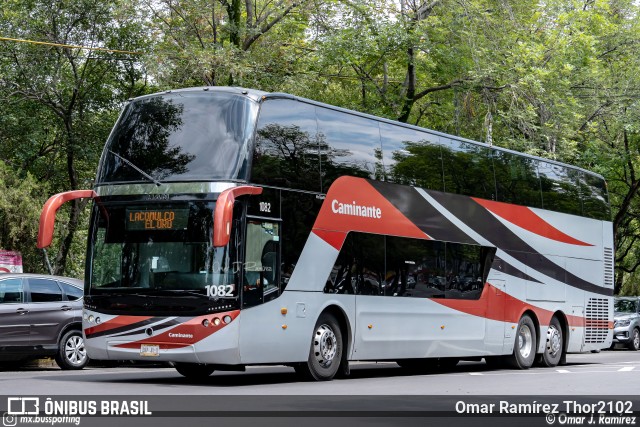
x=223 y=214
x=48 y=214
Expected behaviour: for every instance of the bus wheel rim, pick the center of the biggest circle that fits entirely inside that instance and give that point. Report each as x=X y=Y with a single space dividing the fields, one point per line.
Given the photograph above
x=524 y=341
x=554 y=341
x=325 y=346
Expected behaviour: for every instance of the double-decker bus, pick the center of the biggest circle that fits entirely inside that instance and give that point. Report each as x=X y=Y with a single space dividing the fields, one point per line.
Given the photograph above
x=233 y=227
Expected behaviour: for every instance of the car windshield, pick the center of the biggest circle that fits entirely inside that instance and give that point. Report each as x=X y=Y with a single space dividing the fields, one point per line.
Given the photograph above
x=626 y=306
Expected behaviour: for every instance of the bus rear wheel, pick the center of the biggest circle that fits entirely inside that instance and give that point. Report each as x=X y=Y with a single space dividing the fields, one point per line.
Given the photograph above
x=524 y=350
x=325 y=352
x=193 y=371
x=554 y=345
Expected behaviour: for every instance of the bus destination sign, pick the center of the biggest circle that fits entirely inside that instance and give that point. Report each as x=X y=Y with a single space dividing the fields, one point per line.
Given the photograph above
x=160 y=219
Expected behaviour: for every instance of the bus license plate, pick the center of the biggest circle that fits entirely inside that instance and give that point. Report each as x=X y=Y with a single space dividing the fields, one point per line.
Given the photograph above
x=149 y=350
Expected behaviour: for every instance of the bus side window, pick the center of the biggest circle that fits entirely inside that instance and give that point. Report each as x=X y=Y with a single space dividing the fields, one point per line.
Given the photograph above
x=411 y=157
x=287 y=147
x=468 y=169
x=391 y=266
x=349 y=145
x=559 y=189
x=517 y=179
x=595 y=203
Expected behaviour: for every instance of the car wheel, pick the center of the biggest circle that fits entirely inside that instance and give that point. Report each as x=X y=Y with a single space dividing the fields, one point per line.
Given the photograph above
x=554 y=345
x=194 y=371
x=524 y=350
x=72 y=353
x=634 y=344
x=325 y=353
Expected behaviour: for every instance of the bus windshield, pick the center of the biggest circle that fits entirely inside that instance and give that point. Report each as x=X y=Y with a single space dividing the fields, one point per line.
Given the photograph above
x=180 y=136
x=148 y=249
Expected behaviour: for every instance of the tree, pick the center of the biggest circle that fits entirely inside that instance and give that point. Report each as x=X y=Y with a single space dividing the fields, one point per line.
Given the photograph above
x=21 y=198
x=64 y=96
x=226 y=42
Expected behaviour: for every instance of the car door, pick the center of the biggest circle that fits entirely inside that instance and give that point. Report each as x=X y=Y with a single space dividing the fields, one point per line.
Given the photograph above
x=48 y=312
x=74 y=295
x=14 y=314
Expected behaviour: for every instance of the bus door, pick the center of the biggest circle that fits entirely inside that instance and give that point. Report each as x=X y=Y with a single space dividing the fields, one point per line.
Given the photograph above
x=261 y=282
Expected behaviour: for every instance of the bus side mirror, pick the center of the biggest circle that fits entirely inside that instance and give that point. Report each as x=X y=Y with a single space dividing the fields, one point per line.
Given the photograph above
x=48 y=214
x=223 y=214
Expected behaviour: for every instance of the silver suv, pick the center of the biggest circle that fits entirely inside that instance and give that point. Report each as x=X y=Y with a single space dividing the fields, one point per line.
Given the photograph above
x=41 y=316
x=626 y=318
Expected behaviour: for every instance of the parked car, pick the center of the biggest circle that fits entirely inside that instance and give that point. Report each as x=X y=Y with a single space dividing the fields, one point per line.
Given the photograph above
x=626 y=322
x=41 y=316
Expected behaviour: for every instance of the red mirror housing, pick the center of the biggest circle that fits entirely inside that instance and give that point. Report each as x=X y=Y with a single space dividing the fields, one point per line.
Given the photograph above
x=223 y=215
x=48 y=214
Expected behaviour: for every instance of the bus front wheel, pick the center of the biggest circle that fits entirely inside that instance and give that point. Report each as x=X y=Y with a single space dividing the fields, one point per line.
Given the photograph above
x=193 y=371
x=325 y=352
x=524 y=349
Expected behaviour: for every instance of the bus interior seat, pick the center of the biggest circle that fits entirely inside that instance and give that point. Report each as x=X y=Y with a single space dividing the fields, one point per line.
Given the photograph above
x=269 y=260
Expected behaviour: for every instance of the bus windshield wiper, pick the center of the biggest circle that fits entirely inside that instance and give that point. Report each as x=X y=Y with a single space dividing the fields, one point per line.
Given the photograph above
x=136 y=168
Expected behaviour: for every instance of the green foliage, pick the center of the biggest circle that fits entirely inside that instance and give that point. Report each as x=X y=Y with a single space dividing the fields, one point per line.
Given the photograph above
x=21 y=198
x=62 y=101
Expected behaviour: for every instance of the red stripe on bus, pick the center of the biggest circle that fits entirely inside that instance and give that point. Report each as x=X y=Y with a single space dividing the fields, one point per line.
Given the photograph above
x=116 y=322
x=334 y=238
x=185 y=334
x=525 y=218
x=494 y=304
x=352 y=204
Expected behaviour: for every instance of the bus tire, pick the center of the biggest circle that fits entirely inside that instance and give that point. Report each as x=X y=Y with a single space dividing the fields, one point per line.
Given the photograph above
x=634 y=342
x=524 y=349
x=325 y=352
x=193 y=371
x=554 y=345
